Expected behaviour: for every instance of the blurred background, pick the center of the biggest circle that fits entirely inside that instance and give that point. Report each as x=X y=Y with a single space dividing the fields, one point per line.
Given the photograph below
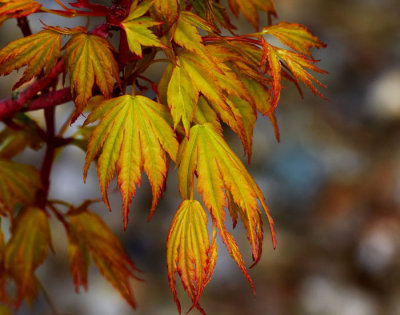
x=332 y=184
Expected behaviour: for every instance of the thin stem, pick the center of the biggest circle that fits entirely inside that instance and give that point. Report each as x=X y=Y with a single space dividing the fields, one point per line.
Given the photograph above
x=62 y=5
x=58 y=215
x=71 y=13
x=41 y=196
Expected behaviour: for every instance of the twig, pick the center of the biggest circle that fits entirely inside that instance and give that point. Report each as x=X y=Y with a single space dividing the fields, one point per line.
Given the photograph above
x=11 y=105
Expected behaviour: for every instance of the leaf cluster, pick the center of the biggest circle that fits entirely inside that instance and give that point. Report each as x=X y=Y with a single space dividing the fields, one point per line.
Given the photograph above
x=210 y=81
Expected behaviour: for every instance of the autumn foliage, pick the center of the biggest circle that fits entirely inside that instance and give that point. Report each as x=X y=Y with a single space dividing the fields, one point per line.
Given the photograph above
x=210 y=81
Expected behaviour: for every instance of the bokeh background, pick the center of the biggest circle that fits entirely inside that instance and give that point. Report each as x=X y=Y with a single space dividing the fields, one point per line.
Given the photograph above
x=333 y=186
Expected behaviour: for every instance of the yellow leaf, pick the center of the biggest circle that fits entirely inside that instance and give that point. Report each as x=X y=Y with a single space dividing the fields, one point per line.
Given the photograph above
x=27 y=249
x=294 y=35
x=189 y=251
x=137 y=27
x=134 y=132
x=219 y=169
x=39 y=52
x=182 y=96
x=18 y=184
x=88 y=234
x=90 y=60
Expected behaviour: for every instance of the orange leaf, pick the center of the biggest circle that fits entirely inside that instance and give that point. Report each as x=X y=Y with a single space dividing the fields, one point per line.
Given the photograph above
x=90 y=60
x=18 y=184
x=294 y=35
x=27 y=249
x=88 y=234
x=189 y=251
x=39 y=52
x=218 y=168
x=17 y=8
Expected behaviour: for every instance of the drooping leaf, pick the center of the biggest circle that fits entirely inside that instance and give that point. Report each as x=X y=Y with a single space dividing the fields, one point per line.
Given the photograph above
x=39 y=52
x=90 y=60
x=218 y=169
x=189 y=251
x=137 y=27
x=299 y=66
x=18 y=184
x=134 y=132
x=297 y=63
x=27 y=249
x=17 y=8
x=294 y=35
x=89 y=236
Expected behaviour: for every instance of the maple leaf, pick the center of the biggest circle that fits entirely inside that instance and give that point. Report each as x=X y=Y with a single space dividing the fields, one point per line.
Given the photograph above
x=186 y=35
x=90 y=60
x=134 y=132
x=182 y=96
x=27 y=249
x=294 y=35
x=89 y=235
x=137 y=27
x=167 y=9
x=18 y=184
x=14 y=141
x=17 y=8
x=189 y=251
x=298 y=65
x=39 y=52
x=249 y=9
x=215 y=86
x=219 y=170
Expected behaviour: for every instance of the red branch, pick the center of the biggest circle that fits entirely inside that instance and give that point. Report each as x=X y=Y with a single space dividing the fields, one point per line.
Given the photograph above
x=24 y=99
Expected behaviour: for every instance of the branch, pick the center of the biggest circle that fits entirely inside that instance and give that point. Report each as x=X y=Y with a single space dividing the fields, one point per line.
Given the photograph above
x=23 y=99
x=23 y=24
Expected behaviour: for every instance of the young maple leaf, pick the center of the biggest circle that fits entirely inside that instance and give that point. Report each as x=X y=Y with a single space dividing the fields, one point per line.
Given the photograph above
x=17 y=8
x=18 y=184
x=219 y=169
x=189 y=251
x=137 y=27
x=26 y=250
x=186 y=35
x=39 y=52
x=134 y=132
x=89 y=235
x=90 y=60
